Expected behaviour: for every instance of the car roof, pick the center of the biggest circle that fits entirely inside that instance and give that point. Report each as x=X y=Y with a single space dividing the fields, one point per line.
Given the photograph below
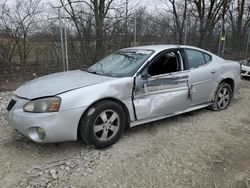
x=159 y=48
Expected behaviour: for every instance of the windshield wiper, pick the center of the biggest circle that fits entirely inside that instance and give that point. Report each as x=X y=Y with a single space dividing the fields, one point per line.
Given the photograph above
x=92 y=72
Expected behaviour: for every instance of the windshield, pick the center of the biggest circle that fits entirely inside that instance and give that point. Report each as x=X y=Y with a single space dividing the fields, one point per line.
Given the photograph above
x=121 y=64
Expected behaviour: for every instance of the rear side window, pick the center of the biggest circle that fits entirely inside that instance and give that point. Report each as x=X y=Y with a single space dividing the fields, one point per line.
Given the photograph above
x=195 y=58
x=207 y=57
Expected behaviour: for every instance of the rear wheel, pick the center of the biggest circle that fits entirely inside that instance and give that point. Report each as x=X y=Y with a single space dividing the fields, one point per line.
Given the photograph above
x=222 y=97
x=103 y=124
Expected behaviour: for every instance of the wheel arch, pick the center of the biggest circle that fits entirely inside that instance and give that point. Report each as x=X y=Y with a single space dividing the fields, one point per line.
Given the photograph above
x=124 y=107
x=230 y=81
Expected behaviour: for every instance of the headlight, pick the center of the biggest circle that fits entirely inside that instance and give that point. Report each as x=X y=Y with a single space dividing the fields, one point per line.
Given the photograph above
x=50 y=104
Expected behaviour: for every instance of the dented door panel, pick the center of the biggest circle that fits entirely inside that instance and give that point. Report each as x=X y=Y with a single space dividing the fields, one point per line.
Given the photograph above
x=161 y=95
x=204 y=83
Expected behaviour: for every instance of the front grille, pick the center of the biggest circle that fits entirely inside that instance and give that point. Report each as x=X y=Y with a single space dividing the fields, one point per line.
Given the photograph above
x=11 y=104
x=243 y=72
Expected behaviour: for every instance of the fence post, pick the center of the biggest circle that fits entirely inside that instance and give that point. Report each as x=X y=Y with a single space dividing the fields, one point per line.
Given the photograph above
x=61 y=36
x=185 y=34
x=219 y=41
x=248 y=38
x=135 y=30
x=66 y=48
x=224 y=43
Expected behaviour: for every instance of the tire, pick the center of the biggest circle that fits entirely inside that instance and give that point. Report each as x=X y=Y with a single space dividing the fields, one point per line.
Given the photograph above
x=103 y=124
x=222 y=98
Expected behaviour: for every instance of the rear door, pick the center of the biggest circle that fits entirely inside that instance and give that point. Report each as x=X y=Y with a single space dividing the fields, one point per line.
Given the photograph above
x=203 y=74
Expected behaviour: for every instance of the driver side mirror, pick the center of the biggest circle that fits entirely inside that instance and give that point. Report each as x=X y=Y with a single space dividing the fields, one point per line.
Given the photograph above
x=144 y=76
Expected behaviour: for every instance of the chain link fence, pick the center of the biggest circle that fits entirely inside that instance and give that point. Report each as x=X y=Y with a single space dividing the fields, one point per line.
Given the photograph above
x=25 y=60
x=39 y=54
x=26 y=57
x=42 y=55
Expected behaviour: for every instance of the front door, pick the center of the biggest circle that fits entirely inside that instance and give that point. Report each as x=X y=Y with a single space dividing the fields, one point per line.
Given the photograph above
x=162 y=88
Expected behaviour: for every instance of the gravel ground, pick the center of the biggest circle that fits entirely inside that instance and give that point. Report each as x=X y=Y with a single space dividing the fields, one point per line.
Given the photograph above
x=197 y=149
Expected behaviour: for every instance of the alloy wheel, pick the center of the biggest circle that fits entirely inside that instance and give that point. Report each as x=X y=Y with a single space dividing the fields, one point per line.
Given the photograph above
x=223 y=98
x=106 y=125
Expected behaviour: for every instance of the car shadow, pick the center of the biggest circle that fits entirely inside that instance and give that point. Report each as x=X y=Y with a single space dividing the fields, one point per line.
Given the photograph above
x=245 y=78
x=153 y=126
x=22 y=145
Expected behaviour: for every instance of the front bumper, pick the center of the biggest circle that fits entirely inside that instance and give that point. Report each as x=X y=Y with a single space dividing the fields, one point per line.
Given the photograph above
x=59 y=126
x=245 y=71
x=245 y=74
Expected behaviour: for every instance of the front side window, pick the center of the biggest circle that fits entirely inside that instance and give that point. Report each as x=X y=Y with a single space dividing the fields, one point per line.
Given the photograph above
x=168 y=62
x=121 y=64
x=195 y=58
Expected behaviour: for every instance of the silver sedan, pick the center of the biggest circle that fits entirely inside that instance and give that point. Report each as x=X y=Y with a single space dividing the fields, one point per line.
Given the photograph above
x=129 y=87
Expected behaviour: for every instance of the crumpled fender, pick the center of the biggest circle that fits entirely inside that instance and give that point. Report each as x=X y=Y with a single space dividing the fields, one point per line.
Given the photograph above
x=119 y=89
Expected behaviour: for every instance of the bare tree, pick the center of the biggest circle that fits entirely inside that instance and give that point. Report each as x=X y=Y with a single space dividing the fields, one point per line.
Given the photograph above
x=179 y=18
x=20 y=21
x=7 y=48
x=82 y=20
x=239 y=14
x=209 y=13
x=100 y=9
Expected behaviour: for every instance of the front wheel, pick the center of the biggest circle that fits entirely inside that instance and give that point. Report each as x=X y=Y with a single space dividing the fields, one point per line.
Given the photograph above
x=222 y=98
x=103 y=124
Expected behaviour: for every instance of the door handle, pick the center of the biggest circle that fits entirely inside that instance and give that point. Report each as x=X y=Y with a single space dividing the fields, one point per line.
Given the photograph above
x=183 y=80
x=213 y=71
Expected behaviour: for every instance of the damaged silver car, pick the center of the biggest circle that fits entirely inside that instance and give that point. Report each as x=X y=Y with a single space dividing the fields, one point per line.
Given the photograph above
x=129 y=87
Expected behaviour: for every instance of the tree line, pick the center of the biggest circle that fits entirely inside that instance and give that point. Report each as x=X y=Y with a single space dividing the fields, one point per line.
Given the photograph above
x=29 y=29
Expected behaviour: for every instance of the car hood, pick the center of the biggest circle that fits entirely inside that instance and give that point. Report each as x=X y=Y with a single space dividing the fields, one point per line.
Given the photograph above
x=244 y=67
x=246 y=64
x=58 y=83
